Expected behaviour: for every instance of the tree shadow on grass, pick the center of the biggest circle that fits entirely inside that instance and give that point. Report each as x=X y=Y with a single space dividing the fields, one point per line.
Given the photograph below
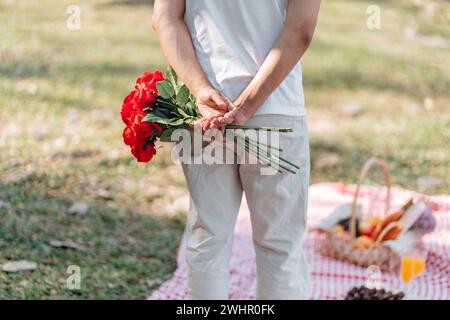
x=422 y=78
x=335 y=78
x=71 y=70
x=76 y=75
x=122 y=249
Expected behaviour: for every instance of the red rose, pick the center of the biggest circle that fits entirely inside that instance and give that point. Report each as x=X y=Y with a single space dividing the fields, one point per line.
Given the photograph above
x=140 y=136
x=157 y=127
x=143 y=151
x=129 y=138
x=136 y=101
x=137 y=136
x=147 y=83
x=144 y=129
x=128 y=107
x=150 y=79
x=141 y=148
x=157 y=76
x=146 y=77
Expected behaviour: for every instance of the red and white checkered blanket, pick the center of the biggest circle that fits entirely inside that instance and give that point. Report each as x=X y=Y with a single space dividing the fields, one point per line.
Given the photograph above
x=330 y=279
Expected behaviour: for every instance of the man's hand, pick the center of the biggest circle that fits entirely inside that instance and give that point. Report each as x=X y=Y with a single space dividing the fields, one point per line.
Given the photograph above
x=235 y=116
x=219 y=119
x=213 y=106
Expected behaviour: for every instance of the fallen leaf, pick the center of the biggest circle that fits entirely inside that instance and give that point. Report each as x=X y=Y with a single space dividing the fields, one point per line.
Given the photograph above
x=327 y=160
x=82 y=153
x=181 y=204
x=21 y=265
x=351 y=109
x=152 y=192
x=27 y=86
x=79 y=208
x=153 y=283
x=59 y=142
x=131 y=259
x=24 y=283
x=19 y=177
x=111 y=285
x=66 y=244
x=101 y=194
x=77 y=154
x=4 y=205
x=428 y=103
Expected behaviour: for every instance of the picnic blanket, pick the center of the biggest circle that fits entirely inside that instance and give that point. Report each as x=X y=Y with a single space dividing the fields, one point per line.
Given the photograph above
x=331 y=279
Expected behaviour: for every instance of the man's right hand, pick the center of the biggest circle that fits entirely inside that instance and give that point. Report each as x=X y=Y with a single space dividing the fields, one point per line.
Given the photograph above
x=213 y=104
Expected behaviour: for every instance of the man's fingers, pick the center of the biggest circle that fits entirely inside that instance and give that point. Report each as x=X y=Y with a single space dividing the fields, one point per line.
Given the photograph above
x=205 y=124
x=230 y=114
x=221 y=120
x=230 y=105
x=215 y=123
x=226 y=120
x=219 y=101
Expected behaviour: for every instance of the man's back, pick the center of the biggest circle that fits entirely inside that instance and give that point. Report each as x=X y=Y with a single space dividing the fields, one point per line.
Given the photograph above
x=232 y=38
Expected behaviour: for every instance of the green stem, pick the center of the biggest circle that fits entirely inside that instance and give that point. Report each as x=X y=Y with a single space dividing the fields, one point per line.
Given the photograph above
x=268 y=159
x=265 y=159
x=257 y=143
x=271 y=156
x=166 y=103
x=278 y=129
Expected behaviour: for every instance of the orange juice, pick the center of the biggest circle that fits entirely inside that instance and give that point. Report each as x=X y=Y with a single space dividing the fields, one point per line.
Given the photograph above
x=407 y=269
x=411 y=267
x=419 y=267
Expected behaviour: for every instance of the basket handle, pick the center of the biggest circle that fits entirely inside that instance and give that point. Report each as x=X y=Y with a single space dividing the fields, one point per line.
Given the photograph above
x=365 y=170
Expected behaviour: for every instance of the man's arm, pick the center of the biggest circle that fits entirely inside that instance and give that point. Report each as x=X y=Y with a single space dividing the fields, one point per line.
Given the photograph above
x=176 y=43
x=298 y=31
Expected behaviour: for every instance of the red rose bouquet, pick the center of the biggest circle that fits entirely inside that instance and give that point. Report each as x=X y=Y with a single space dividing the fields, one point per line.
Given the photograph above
x=159 y=104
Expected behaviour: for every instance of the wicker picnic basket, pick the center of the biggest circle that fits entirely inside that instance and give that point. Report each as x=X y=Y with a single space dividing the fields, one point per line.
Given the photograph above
x=343 y=248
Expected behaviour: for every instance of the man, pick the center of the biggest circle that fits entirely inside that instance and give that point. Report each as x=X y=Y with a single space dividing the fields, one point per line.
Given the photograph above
x=240 y=59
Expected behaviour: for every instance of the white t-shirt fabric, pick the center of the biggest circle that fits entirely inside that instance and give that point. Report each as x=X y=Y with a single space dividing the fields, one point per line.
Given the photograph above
x=232 y=38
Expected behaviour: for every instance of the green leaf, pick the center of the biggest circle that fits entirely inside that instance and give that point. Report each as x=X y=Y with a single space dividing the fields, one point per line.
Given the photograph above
x=190 y=121
x=166 y=136
x=190 y=108
x=184 y=114
x=148 y=118
x=160 y=112
x=156 y=119
x=183 y=96
x=178 y=122
x=176 y=114
x=175 y=121
x=172 y=76
x=165 y=89
x=193 y=100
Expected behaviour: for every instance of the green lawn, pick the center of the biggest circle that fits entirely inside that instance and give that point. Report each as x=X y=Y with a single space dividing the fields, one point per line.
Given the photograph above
x=369 y=93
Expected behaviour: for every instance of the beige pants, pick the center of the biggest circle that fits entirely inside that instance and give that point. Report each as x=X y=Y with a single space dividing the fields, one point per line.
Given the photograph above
x=278 y=208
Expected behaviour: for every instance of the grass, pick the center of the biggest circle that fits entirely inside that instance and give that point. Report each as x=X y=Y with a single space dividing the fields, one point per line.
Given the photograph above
x=60 y=133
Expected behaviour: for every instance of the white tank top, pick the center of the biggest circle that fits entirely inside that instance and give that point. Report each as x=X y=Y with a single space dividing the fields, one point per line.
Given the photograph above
x=232 y=38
